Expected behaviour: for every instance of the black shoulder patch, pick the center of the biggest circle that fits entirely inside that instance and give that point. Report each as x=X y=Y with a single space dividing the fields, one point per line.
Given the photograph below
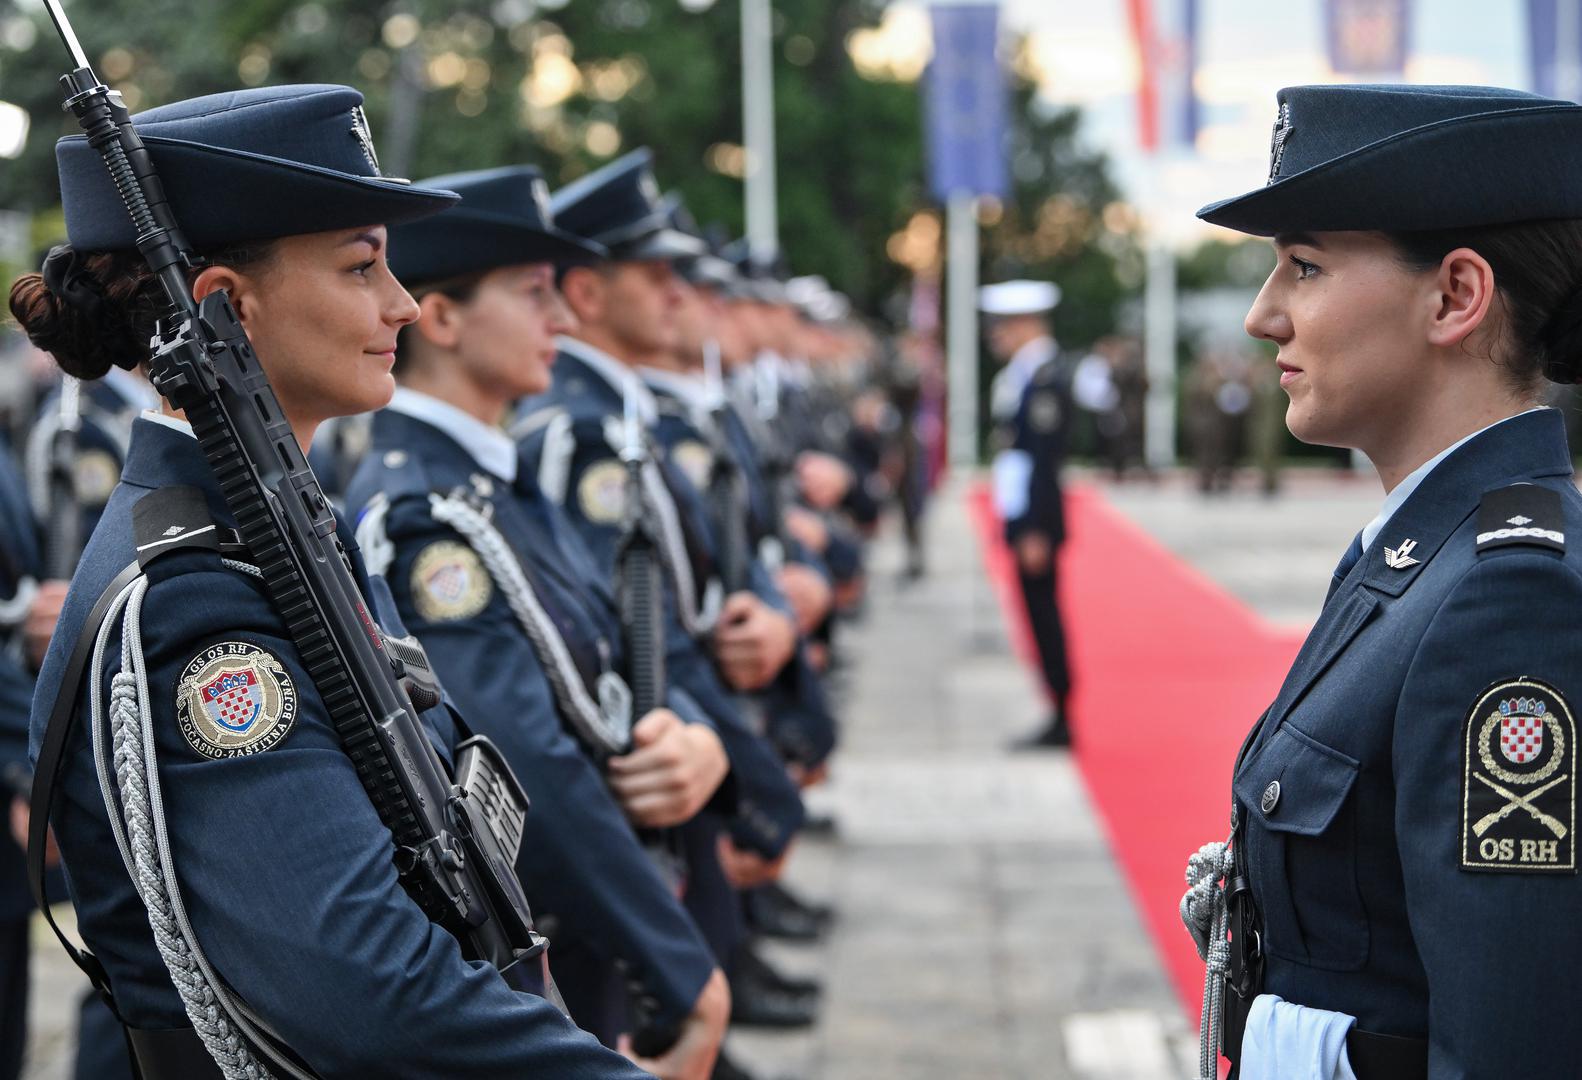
x=171 y=519
x=1521 y=514
x=1518 y=781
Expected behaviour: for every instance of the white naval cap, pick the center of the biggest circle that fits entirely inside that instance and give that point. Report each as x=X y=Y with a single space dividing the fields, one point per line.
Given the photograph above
x=1018 y=297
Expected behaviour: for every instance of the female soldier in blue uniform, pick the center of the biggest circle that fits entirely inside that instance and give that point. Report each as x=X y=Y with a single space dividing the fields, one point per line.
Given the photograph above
x=1404 y=897
x=286 y=872
x=492 y=580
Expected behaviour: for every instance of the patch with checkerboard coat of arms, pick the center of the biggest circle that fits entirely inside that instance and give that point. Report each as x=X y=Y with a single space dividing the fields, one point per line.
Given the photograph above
x=1518 y=785
x=234 y=699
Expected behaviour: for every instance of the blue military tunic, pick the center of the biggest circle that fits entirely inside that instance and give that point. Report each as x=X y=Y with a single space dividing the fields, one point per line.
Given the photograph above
x=566 y=438
x=19 y=571
x=286 y=870
x=1408 y=802
x=580 y=861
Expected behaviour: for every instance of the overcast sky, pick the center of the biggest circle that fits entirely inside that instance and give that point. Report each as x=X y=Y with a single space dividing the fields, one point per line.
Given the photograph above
x=1248 y=49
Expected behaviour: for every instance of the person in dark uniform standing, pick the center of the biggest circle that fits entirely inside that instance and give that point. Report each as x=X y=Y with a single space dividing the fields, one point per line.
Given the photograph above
x=1402 y=891
x=1031 y=407
x=229 y=768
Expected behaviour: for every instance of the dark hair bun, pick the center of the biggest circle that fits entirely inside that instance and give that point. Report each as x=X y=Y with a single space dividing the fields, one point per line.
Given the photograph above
x=79 y=342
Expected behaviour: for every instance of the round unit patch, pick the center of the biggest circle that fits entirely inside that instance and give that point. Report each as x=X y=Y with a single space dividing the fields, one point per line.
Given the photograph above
x=1043 y=411
x=601 y=493
x=235 y=699
x=94 y=475
x=449 y=582
x=695 y=461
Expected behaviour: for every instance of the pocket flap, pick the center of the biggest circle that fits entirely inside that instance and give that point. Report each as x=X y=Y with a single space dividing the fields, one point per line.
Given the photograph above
x=1295 y=784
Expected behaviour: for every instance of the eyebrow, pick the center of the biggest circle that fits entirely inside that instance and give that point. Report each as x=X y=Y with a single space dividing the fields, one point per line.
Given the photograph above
x=1292 y=239
x=372 y=239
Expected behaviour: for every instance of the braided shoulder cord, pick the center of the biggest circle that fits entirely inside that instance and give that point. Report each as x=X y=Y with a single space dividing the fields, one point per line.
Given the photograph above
x=141 y=834
x=609 y=734
x=1204 y=911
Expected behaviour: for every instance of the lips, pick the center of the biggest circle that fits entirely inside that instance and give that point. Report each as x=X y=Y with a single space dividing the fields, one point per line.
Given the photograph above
x=1288 y=372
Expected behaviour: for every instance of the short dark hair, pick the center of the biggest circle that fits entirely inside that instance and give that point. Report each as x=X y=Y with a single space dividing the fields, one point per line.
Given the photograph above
x=1538 y=272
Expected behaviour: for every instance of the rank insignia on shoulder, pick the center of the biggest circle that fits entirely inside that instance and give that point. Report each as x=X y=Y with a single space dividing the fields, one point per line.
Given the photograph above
x=695 y=461
x=1518 y=782
x=601 y=493
x=235 y=699
x=449 y=582
x=1521 y=514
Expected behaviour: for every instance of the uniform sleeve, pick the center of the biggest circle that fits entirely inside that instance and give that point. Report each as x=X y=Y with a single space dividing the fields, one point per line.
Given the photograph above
x=287 y=872
x=1491 y=886
x=580 y=858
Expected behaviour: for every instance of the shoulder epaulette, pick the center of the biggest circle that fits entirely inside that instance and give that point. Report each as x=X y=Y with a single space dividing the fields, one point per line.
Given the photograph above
x=402 y=475
x=172 y=519
x=1521 y=514
x=534 y=421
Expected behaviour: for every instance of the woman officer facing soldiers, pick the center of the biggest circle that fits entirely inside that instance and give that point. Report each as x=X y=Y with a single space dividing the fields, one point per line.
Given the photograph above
x=285 y=870
x=1404 y=895
x=489 y=576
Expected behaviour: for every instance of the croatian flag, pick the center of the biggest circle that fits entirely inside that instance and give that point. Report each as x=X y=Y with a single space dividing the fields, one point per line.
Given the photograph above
x=1554 y=47
x=1165 y=34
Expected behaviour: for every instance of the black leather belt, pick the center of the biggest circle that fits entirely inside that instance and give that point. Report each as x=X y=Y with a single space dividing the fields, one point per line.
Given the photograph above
x=1373 y=1056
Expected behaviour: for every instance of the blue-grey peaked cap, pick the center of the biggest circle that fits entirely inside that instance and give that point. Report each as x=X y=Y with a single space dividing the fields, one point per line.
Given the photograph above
x=620 y=207
x=247 y=165
x=1402 y=158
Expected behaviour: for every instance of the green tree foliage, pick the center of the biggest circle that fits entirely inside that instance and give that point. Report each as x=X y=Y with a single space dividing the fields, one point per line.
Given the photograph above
x=570 y=85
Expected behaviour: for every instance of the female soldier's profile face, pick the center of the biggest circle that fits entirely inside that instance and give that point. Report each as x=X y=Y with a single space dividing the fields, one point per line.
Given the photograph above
x=1348 y=320
x=322 y=313
x=505 y=333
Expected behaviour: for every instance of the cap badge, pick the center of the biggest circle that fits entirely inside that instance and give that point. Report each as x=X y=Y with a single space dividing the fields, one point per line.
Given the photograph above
x=364 y=136
x=1277 y=141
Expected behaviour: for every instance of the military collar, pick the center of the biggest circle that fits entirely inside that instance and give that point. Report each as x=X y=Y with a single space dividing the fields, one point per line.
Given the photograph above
x=615 y=375
x=1403 y=491
x=490 y=448
x=163 y=452
x=682 y=385
x=1529 y=446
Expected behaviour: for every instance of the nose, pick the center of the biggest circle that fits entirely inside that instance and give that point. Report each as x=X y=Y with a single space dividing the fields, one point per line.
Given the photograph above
x=562 y=320
x=400 y=309
x=1267 y=319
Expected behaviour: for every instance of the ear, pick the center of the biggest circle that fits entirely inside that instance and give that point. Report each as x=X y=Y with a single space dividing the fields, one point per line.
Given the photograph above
x=1465 y=292
x=213 y=279
x=439 y=320
x=583 y=289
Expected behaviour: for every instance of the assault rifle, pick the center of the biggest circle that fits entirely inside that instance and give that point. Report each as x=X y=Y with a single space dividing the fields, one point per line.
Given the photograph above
x=727 y=493
x=455 y=840
x=640 y=595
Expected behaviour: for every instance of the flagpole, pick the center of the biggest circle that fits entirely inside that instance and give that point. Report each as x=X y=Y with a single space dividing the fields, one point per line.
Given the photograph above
x=961 y=298
x=758 y=128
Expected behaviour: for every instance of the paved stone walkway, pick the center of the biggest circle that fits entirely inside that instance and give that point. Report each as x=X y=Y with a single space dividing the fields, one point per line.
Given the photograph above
x=983 y=930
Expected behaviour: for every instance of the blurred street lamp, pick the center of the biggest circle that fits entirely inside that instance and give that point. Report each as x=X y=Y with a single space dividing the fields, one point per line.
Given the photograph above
x=13 y=129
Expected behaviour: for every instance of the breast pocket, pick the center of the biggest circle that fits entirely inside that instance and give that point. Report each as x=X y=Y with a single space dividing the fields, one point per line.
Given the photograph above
x=1301 y=847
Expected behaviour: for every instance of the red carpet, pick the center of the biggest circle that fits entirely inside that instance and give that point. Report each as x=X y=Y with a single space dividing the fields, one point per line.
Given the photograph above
x=1171 y=672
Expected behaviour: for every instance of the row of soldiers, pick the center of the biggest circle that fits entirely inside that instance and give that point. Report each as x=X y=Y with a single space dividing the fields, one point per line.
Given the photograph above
x=591 y=378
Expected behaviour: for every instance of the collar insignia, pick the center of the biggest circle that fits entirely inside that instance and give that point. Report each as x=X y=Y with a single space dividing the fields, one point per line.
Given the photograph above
x=1400 y=558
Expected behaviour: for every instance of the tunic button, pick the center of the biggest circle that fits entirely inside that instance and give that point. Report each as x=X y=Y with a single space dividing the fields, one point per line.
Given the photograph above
x=1271 y=797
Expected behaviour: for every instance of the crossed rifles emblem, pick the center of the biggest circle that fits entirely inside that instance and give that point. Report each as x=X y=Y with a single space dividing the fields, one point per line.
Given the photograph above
x=1520 y=802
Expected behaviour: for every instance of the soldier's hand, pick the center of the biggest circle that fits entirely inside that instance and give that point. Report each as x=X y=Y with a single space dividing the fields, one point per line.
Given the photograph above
x=1034 y=552
x=42 y=616
x=21 y=817
x=809 y=594
x=672 y=771
x=822 y=478
x=692 y=1057
x=806 y=528
x=752 y=641
x=748 y=869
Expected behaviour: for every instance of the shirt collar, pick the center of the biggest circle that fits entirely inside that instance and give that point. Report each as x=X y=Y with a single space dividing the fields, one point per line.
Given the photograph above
x=173 y=423
x=689 y=388
x=1403 y=491
x=620 y=377
x=490 y=447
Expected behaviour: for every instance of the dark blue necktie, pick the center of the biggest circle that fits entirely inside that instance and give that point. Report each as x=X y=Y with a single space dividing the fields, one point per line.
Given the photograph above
x=1350 y=559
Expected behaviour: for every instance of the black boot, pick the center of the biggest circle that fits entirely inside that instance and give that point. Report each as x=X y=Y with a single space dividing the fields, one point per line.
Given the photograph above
x=775 y=912
x=1054 y=735
x=762 y=997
